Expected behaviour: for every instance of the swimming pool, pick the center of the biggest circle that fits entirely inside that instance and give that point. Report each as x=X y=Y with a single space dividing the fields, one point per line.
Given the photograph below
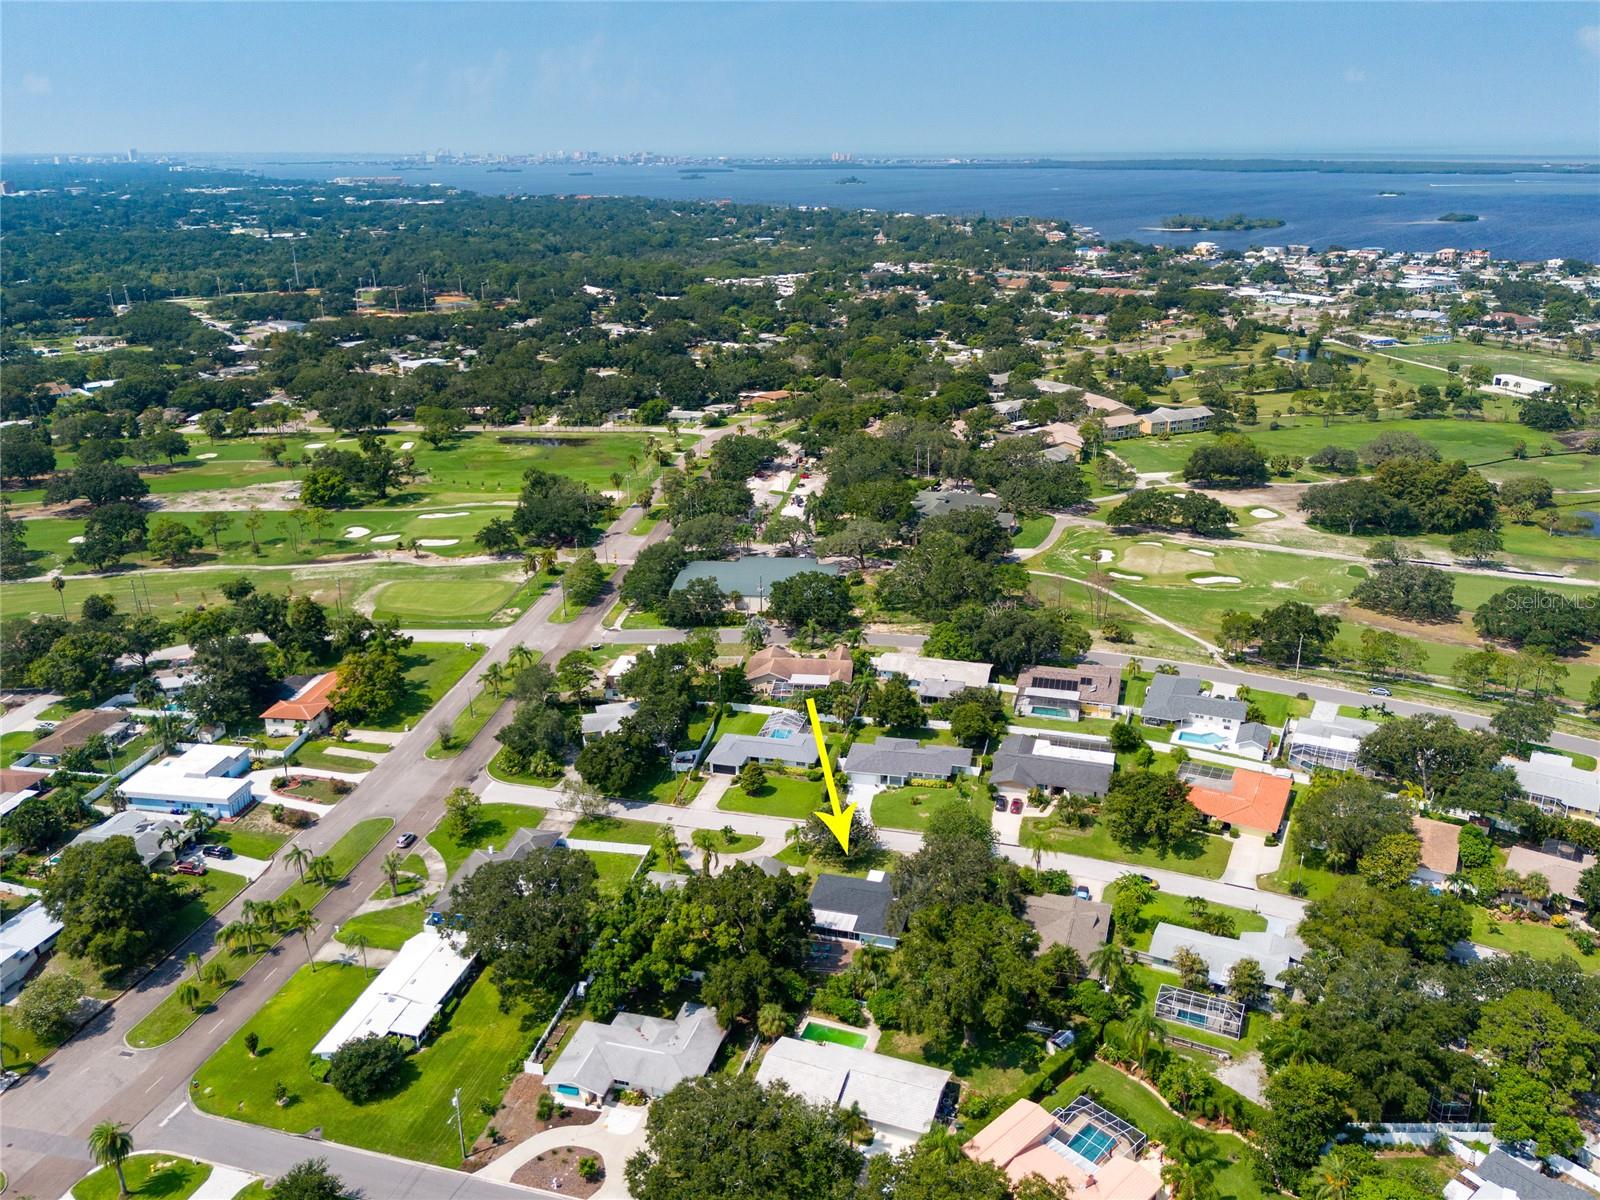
x=779 y=735
x=812 y=1031
x=1190 y=1017
x=1200 y=739
x=1091 y=1142
x=1050 y=710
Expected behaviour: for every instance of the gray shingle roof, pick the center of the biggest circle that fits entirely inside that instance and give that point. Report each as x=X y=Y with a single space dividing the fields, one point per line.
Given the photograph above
x=644 y=1052
x=1084 y=925
x=736 y=749
x=906 y=756
x=1518 y=1176
x=1016 y=764
x=1174 y=697
x=518 y=846
x=1256 y=734
x=862 y=903
x=936 y=503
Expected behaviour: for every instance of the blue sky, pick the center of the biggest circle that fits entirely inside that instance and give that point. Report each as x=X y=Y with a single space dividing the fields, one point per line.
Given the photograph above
x=799 y=79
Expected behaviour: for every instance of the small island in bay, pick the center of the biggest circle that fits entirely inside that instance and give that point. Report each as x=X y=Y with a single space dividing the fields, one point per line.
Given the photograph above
x=1458 y=216
x=1187 y=223
x=850 y=179
x=1389 y=195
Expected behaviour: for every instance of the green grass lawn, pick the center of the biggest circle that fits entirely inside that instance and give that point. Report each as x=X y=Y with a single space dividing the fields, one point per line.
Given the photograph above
x=1171 y=908
x=158 y=1176
x=1204 y=855
x=471 y=1053
x=1539 y=940
x=23 y=1051
x=1136 y=1103
x=663 y=785
x=987 y=1066
x=170 y=1018
x=615 y=868
x=498 y=769
x=432 y=669
x=15 y=743
x=385 y=928
x=469 y=721
x=1309 y=870
x=913 y=807
x=496 y=823
x=1032 y=532
x=315 y=754
x=252 y=843
x=1279 y=707
x=617 y=829
x=783 y=796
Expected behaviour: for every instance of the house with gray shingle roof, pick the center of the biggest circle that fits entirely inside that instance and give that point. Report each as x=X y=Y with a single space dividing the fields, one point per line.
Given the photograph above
x=939 y=502
x=648 y=1054
x=1052 y=763
x=1201 y=720
x=895 y=761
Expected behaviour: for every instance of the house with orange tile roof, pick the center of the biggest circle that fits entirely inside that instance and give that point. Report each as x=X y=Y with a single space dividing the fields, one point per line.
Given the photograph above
x=1082 y=1145
x=308 y=709
x=1254 y=800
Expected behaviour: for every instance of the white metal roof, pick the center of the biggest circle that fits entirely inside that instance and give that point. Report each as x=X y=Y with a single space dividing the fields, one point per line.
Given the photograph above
x=889 y=1091
x=405 y=995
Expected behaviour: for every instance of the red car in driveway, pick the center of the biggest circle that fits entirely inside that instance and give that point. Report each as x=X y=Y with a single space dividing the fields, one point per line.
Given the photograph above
x=1016 y=805
x=188 y=867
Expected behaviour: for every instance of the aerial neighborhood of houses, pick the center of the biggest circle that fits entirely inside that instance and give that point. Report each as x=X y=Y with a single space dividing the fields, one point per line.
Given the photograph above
x=1192 y=652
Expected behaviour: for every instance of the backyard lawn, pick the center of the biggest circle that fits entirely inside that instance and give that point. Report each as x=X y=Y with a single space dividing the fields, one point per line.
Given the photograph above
x=615 y=868
x=1032 y=532
x=472 y=1052
x=1203 y=855
x=496 y=823
x=617 y=829
x=158 y=1176
x=989 y=1067
x=783 y=796
x=385 y=928
x=1165 y=906
x=252 y=843
x=1539 y=940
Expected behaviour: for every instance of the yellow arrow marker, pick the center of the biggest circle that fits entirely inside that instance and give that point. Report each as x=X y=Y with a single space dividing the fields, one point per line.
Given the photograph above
x=837 y=821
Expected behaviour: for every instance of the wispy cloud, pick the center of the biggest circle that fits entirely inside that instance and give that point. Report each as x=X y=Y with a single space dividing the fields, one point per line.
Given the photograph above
x=480 y=82
x=1355 y=75
x=35 y=85
x=1589 y=39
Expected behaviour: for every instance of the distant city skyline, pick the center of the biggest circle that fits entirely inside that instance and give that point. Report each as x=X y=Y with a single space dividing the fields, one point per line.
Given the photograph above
x=786 y=80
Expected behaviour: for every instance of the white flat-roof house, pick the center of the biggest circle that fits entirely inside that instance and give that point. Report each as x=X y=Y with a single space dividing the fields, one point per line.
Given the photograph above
x=1521 y=385
x=23 y=939
x=204 y=778
x=933 y=678
x=899 y=1099
x=1555 y=784
x=648 y=1054
x=1273 y=952
x=407 y=994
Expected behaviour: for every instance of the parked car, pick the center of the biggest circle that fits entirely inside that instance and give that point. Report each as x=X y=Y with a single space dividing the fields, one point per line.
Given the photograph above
x=1379 y=691
x=999 y=804
x=405 y=841
x=189 y=867
x=1016 y=805
x=211 y=851
x=1081 y=892
x=1155 y=884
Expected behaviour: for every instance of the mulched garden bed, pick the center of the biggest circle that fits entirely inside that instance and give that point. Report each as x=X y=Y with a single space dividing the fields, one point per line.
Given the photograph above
x=557 y=1171
x=517 y=1120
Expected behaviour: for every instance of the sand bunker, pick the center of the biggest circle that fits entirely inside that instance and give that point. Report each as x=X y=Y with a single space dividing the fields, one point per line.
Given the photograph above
x=1103 y=556
x=1203 y=553
x=387 y=537
x=315 y=445
x=1204 y=579
x=1121 y=575
x=454 y=541
x=212 y=454
x=1264 y=513
x=1157 y=545
x=75 y=541
x=357 y=531
x=407 y=445
x=442 y=516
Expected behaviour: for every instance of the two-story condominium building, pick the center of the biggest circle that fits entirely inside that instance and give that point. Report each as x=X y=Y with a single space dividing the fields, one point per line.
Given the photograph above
x=1116 y=426
x=1201 y=720
x=1067 y=693
x=778 y=671
x=1175 y=420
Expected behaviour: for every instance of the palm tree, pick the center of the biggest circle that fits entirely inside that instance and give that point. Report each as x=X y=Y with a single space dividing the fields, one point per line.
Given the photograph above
x=60 y=586
x=520 y=657
x=705 y=840
x=189 y=995
x=391 y=871
x=168 y=729
x=494 y=675
x=305 y=924
x=358 y=941
x=320 y=870
x=1412 y=794
x=110 y=1144
x=193 y=963
x=1333 y=1177
x=237 y=933
x=1110 y=963
x=214 y=974
x=297 y=857
x=773 y=1021
x=1188 y=1180
x=171 y=838
x=669 y=851
x=1144 y=1031
x=1035 y=840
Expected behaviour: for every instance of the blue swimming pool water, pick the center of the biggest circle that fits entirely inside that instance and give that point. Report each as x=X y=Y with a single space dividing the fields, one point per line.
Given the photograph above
x=1092 y=1142
x=1201 y=739
x=1198 y=1020
x=1048 y=710
x=779 y=734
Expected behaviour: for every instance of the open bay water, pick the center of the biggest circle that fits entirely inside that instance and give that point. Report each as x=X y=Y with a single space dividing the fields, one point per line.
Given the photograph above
x=1521 y=215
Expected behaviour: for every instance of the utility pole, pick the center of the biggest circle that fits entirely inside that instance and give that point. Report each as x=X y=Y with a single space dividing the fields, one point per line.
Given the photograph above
x=455 y=1103
x=295 y=259
x=1298 y=645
